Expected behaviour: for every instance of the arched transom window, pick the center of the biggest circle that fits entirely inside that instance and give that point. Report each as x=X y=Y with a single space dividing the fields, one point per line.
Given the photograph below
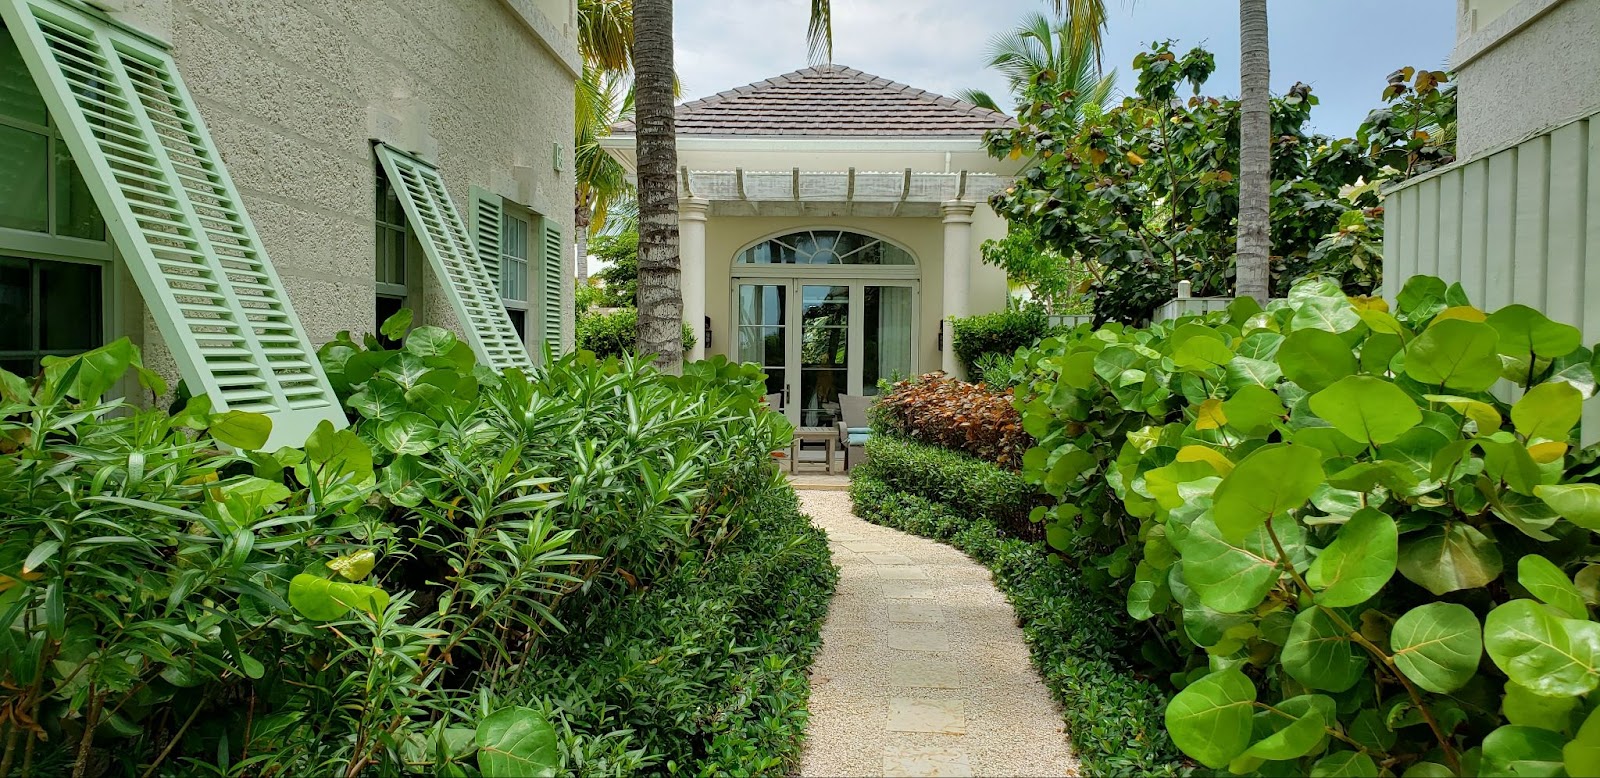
x=825 y=247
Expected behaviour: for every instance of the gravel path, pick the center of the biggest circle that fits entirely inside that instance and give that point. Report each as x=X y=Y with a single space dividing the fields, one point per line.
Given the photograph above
x=923 y=670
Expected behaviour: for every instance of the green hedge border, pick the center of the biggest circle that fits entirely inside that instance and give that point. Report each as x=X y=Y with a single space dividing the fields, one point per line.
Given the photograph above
x=1114 y=718
x=968 y=485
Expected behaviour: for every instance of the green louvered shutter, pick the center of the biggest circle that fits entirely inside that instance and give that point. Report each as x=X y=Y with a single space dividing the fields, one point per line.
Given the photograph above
x=486 y=225
x=175 y=216
x=473 y=294
x=550 y=285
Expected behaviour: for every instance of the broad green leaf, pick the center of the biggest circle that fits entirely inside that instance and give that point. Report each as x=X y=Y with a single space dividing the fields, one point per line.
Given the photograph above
x=1548 y=412
x=1367 y=409
x=1428 y=770
x=1202 y=353
x=320 y=599
x=1299 y=738
x=430 y=342
x=1231 y=578
x=1437 y=645
x=256 y=493
x=1523 y=751
x=379 y=399
x=1271 y=481
x=1525 y=708
x=354 y=566
x=1359 y=561
x=242 y=430
x=1455 y=353
x=1320 y=655
x=1582 y=755
x=1334 y=314
x=519 y=742
x=1506 y=459
x=1577 y=503
x=1244 y=372
x=394 y=327
x=98 y=370
x=1545 y=581
x=1422 y=298
x=409 y=433
x=1524 y=330
x=1253 y=409
x=1345 y=764
x=1450 y=558
x=1211 y=719
x=1550 y=655
x=1315 y=359
x=1481 y=413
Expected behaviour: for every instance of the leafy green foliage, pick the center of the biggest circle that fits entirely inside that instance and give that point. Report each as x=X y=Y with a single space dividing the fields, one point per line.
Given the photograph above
x=1323 y=499
x=386 y=598
x=1000 y=333
x=959 y=416
x=612 y=334
x=978 y=489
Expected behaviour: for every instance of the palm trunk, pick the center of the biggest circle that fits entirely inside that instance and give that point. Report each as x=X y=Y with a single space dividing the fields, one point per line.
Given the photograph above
x=660 y=297
x=581 y=218
x=1255 y=154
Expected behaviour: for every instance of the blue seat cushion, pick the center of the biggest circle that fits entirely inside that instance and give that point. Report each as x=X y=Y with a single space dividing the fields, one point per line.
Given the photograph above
x=858 y=438
x=859 y=430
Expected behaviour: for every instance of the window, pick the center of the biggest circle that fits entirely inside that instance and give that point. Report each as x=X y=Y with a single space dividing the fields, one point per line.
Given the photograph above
x=825 y=247
x=52 y=238
x=394 y=254
x=514 y=270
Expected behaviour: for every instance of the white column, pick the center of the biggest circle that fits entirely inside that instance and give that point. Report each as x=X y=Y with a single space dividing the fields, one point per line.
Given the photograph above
x=957 y=272
x=692 y=268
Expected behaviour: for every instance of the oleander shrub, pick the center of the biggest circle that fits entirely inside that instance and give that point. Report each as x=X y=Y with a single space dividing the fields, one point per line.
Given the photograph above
x=978 y=339
x=1079 y=643
x=956 y=415
x=1369 y=562
x=971 y=487
x=464 y=581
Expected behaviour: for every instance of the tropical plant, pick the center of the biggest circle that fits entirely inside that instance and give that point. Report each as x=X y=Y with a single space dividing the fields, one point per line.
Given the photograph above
x=604 y=99
x=956 y=415
x=1041 y=57
x=1327 y=516
x=1000 y=334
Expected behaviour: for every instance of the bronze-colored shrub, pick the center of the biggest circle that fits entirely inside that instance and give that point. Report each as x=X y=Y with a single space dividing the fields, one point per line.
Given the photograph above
x=971 y=418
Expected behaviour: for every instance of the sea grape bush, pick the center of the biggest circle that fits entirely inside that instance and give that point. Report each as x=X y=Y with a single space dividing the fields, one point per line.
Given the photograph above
x=1371 y=562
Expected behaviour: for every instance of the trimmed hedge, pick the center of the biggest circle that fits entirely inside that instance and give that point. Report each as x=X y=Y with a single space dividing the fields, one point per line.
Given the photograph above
x=969 y=486
x=1000 y=333
x=1077 y=639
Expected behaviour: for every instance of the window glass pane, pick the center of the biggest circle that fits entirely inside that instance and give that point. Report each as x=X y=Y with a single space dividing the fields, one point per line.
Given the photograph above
x=24 y=180
x=825 y=247
x=19 y=97
x=76 y=214
x=387 y=306
x=514 y=258
x=69 y=306
x=16 y=306
x=519 y=322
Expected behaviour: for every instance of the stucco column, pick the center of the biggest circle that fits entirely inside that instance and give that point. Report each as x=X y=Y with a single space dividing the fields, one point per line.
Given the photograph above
x=957 y=272
x=692 y=268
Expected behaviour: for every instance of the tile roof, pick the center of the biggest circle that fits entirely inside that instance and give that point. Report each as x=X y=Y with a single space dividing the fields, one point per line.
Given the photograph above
x=831 y=101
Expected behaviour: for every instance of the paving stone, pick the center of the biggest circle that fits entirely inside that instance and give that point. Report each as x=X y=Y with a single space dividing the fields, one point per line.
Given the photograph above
x=906 y=639
x=905 y=760
x=921 y=714
x=902 y=573
x=915 y=612
x=923 y=673
x=865 y=546
x=907 y=590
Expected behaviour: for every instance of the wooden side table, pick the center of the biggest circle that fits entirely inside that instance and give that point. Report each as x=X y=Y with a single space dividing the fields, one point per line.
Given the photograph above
x=825 y=435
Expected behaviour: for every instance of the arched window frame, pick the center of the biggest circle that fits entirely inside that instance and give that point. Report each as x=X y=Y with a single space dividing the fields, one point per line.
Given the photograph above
x=743 y=269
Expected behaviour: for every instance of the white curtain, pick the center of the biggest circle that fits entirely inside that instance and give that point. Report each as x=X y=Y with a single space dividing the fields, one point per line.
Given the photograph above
x=893 y=334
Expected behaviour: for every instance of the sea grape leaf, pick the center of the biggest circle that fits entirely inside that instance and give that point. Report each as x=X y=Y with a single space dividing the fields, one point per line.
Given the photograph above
x=1450 y=558
x=1315 y=359
x=1367 y=409
x=1455 y=353
x=1320 y=655
x=1545 y=581
x=517 y=741
x=1359 y=561
x=1548 y=412
x=1538 y=649
x=1211 y=719
x=1523 y=751
x=1271 y=481
x=1438 y=645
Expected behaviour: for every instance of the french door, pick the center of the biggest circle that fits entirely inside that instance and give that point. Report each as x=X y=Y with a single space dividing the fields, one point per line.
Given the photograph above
x=818 y=338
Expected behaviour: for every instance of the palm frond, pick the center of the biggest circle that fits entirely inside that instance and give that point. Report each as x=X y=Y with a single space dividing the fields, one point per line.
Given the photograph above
x=819 y=32
x=605 y=33
x=979 y=98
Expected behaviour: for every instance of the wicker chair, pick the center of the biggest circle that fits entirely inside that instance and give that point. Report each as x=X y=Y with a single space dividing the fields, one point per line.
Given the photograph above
x=854 y=428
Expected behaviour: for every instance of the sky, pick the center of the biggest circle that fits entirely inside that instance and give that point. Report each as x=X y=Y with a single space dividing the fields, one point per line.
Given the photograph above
x=1343 y=48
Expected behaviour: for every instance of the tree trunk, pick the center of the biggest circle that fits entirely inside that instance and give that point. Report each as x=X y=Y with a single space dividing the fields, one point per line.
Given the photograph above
x=660 y=297
x=1253 y=261
x=581 y=217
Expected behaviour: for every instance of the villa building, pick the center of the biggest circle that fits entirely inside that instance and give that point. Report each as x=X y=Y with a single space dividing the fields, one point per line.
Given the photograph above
x=831 y=223
x=178 y=171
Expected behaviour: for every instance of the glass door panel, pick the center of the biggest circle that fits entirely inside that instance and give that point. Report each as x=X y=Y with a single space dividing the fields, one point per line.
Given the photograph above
x=763 y=327
x=824 y=353
x=887 y=342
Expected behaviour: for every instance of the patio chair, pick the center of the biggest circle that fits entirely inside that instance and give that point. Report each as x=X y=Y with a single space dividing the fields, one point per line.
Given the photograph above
x=854 y=429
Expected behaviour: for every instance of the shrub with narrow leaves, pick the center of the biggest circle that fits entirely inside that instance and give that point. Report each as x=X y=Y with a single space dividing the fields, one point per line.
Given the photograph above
x=1373 y=563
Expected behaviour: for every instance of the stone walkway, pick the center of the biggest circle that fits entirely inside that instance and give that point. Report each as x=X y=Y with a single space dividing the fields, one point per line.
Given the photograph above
x=923 y=670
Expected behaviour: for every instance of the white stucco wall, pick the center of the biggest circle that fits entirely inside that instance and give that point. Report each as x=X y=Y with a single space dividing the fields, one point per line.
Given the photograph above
x=295 y=90
x=1523 y=66
x=726 y=236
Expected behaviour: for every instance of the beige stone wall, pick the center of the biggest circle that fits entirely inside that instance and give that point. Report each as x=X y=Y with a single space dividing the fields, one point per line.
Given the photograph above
x=1523 y=67
x=295 y=90
x=726 y=236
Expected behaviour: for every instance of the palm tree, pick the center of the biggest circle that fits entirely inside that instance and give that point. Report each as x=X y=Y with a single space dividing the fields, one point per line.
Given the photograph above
x=660 y=298
x=604 y=98
x=1039 y=52
x=1253 y=257
x=605 y=34
x=1087 y=20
